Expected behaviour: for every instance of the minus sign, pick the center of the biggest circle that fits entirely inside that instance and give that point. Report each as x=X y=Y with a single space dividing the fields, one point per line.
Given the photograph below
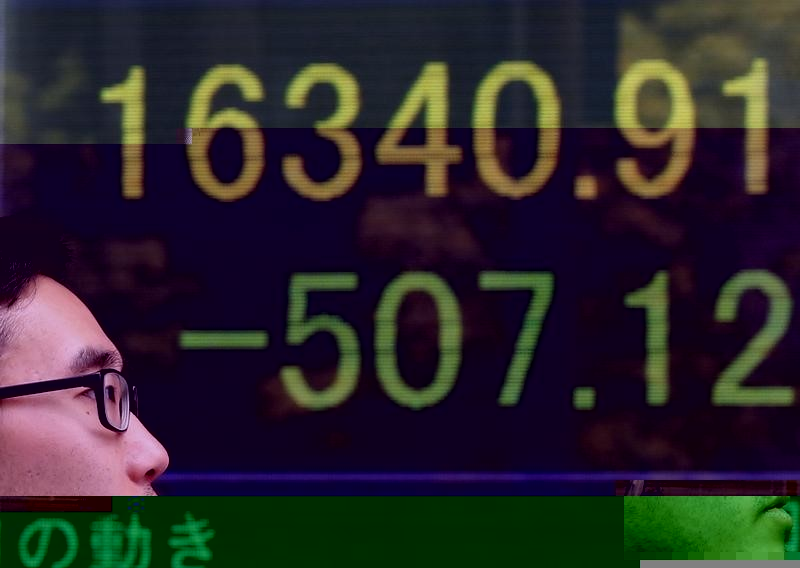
x=230 y=339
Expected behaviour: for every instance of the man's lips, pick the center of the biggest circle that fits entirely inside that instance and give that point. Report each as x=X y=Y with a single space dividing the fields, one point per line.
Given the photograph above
x=776 y=503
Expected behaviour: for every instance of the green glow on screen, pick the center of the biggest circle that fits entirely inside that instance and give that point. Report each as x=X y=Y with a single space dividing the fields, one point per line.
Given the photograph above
x=584 y=398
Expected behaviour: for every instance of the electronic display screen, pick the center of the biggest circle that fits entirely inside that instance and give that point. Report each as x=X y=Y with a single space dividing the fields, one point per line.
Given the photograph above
x=400 y=236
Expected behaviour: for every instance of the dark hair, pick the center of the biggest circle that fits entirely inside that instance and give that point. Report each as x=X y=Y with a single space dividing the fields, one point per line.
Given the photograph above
x=29 y=246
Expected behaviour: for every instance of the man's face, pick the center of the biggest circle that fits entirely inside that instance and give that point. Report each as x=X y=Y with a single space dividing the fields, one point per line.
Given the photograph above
x=705 y=523
x=53 y=443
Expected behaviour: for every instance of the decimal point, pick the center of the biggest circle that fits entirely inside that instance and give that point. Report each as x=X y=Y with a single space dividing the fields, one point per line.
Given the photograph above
x=584 y=398
x=586 y=187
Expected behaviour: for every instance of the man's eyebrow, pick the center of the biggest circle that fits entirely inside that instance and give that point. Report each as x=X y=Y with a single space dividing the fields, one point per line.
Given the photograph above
x=90 y=358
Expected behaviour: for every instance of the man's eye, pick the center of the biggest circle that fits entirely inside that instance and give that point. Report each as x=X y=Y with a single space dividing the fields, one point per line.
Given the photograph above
x=89 y=393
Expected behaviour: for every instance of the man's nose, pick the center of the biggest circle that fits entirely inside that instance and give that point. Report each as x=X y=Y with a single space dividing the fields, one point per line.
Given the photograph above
x=146 y=457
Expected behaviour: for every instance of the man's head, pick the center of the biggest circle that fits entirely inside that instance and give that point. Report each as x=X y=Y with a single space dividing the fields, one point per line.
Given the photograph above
x=705 y=524
x=53 y=443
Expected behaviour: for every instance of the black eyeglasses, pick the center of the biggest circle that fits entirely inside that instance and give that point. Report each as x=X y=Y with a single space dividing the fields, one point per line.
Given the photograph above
x=115 y=401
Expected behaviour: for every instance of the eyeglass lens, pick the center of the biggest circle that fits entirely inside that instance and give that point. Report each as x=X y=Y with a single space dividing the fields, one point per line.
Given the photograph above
x=115 y=395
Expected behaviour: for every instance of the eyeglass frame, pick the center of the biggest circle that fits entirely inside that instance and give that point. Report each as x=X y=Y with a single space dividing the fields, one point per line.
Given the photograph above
x=95 y=381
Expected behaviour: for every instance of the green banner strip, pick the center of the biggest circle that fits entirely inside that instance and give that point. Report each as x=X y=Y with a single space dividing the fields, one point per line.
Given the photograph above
x=321 y=531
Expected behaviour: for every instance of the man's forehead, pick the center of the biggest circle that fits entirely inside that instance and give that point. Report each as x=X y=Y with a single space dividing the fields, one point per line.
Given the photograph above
x=53 y=334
